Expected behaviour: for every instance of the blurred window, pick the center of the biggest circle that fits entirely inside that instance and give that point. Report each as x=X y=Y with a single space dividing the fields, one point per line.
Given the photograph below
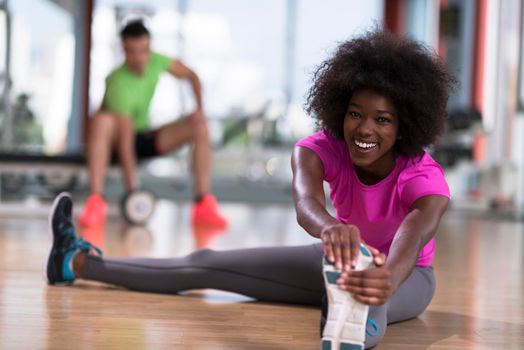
x=41 y=72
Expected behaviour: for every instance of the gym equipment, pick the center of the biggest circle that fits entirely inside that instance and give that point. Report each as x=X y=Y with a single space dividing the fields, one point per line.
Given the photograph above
x=58 y=173
x=138 y=206
x=58 y=182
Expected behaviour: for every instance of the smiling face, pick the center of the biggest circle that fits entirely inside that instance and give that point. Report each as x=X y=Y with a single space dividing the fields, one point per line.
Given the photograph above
x=370 y=132
x=137 y=53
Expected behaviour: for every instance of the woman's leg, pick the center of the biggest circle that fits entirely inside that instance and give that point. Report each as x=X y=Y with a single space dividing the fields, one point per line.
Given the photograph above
x=276 y=274
x=409 y=301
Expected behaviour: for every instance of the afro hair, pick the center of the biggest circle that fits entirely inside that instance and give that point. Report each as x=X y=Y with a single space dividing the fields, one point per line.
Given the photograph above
x=405 y=71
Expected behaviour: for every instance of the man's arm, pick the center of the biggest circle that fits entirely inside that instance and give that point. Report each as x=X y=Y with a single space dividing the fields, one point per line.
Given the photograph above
x=181 y=71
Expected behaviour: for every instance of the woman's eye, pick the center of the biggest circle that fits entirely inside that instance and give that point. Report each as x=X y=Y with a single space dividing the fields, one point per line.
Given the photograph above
x=353 y=114
x=383 y=120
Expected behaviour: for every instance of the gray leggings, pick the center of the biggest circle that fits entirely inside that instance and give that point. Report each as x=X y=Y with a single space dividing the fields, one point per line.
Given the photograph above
x=277 y=274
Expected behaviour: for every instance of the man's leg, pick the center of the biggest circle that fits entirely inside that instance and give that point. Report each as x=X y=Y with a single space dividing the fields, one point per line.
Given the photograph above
x=101 y=137
x=107 y=131
x=191 y=129
x=125 y=148
x=102 y=131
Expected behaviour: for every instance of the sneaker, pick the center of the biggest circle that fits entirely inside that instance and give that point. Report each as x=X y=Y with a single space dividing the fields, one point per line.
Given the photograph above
x=347 y=319
x=95 y=211
x=207 y=213
x=65 y=244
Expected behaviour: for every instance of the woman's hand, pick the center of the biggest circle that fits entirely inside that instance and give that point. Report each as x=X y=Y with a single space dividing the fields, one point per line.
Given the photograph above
x=371 y=286
x=341 y=245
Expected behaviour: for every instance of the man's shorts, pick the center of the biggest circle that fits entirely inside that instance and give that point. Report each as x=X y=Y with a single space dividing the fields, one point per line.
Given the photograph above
x=146 y=144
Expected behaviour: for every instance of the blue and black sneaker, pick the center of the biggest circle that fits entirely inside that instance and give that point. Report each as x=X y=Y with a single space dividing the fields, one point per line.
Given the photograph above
x=65 y=243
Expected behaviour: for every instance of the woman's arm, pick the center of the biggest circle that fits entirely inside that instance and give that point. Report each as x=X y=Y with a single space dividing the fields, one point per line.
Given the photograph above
x=308 y=191
x=376 y=285
x=417 y=229
x=341 y=242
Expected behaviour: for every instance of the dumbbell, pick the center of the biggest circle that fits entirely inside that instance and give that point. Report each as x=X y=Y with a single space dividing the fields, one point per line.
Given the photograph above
x=138 y=206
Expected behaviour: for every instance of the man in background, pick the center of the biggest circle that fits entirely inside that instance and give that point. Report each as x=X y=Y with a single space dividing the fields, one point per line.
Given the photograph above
x=121 y=127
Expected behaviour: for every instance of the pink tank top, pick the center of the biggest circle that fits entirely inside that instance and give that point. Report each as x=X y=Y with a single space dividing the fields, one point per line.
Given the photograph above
x=379 y=209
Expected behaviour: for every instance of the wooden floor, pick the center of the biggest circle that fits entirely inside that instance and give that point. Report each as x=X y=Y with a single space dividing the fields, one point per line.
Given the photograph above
x=479 y=303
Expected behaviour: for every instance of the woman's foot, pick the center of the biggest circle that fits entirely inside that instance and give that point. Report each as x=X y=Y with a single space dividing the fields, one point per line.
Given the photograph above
x=65 y=244
x=346 y=321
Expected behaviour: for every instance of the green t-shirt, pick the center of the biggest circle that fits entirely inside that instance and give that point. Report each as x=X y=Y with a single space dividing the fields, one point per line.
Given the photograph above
x=130 y=94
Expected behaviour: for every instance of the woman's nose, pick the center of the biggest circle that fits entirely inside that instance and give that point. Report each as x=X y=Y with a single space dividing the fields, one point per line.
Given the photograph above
x=365 y=126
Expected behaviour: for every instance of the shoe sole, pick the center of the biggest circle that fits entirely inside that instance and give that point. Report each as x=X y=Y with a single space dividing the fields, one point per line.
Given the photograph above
x=346 y=322
x=50 y=237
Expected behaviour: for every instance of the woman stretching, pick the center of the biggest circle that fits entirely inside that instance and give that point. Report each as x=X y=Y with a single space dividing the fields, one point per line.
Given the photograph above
x=378 y=102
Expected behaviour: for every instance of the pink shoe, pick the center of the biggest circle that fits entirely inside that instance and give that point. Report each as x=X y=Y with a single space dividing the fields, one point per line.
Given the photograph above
x=207 y=213
x=95 y=210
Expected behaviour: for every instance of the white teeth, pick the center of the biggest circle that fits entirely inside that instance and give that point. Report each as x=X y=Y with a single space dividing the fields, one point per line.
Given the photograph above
x=364 y=144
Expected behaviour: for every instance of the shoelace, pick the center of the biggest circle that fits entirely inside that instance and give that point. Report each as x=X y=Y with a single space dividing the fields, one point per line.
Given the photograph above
x=85 y=246
x=77 y=243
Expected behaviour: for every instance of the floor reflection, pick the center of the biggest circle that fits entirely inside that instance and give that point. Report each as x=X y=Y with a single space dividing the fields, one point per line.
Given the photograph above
x=205 y=236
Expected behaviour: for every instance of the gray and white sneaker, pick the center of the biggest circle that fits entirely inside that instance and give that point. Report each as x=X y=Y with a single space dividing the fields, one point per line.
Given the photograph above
x=346 y=322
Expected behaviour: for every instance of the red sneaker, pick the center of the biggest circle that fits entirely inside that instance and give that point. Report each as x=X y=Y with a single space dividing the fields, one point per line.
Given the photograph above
x=95 y=210
x=207 y=213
